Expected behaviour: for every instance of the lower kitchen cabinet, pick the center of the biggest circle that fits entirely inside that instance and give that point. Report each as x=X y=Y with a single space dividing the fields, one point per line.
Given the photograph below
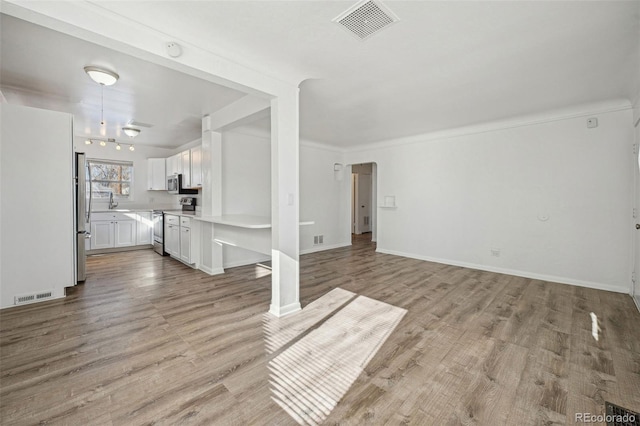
x=124 y=232
x=102 y=234
x=181 y=239
x=185 y=245
x=116 y=230
x=144 y=227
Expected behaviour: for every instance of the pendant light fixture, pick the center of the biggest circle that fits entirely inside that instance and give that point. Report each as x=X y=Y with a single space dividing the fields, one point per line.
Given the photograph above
x=107 y=78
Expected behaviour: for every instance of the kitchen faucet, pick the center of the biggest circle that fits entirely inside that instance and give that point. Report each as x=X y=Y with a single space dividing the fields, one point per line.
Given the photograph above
x=112 y=204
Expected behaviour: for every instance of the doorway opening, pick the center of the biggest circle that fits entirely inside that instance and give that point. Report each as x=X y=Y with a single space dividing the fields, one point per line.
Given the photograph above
x=363 y=201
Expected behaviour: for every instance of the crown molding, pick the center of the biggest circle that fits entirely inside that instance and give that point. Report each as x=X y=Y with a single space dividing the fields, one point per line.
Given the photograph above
x=575 y=111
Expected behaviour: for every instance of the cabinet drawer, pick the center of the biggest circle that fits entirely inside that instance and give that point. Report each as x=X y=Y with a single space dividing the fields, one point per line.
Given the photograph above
x=185 y=222
x=171 y=219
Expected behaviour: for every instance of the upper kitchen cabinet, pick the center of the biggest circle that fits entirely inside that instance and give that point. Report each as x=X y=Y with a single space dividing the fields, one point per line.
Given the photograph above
x=156 y=174
x=188 y=163
x=185 y=168
x=174 y=164
x=196 y=167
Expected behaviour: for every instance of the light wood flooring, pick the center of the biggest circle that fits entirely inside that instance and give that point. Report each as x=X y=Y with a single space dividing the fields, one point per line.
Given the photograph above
x=147 y=340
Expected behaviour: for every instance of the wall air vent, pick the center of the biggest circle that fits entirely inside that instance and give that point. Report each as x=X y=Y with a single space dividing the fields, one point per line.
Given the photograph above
x=366 y=18
x=33 y=297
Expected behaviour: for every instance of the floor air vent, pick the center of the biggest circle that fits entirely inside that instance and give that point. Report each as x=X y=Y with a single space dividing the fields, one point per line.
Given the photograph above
x=366 y=18
x=618 y=416
x=34 y=297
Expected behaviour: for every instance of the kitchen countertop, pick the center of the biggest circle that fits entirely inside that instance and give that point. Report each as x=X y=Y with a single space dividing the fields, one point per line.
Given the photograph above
x=195 y=214
x=243 y=221
x=122 y=211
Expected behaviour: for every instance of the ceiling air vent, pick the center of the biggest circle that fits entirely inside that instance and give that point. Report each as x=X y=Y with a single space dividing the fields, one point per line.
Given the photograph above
x=366 y=18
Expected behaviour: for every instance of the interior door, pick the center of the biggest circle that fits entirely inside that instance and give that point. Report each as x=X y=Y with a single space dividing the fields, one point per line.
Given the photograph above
x=364 y=203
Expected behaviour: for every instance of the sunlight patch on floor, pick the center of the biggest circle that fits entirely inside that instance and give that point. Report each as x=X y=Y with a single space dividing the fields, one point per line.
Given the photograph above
x=280 y=331
x=309 y=378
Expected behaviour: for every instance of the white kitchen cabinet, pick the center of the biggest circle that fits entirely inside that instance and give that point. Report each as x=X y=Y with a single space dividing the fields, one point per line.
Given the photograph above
x=172 y=235
x=101 y=234
x=185 y=167
x=196 y=167
x=172 y=240
x=157 y=174
x=119 y=229
x=181 y=238
x=124 y=232
x=144 y=229
x=174 y=164
x=185 y=245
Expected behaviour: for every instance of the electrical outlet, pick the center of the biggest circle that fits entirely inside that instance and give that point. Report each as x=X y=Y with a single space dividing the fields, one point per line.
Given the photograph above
x=320 y=239
x=592 y=123
x=495 y=252
x=315 y=239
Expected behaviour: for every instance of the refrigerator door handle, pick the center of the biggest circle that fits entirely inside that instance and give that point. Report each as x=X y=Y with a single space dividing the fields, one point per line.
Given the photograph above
x=90 y=193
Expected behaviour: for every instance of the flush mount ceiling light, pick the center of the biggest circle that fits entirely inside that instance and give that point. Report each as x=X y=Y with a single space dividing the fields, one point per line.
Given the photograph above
x=132 y=132
x=101 y=76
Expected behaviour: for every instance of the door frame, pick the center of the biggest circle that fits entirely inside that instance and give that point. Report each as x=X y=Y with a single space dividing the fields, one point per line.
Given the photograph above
x=373 y=219
x=635 y=276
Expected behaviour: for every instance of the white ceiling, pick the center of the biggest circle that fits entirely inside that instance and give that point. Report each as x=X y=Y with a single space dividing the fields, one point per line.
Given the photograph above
x=45 y=69
x=444 y=65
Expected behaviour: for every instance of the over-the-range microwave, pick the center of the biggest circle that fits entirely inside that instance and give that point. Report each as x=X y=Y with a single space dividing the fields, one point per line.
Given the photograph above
x=174 y=185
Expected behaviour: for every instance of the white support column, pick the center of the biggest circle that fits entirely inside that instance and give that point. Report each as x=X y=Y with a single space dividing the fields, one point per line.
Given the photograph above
x=211 y=193
x=285 y=212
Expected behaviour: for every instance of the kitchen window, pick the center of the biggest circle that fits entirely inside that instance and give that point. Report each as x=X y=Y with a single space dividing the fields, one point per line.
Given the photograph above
x=110 y=177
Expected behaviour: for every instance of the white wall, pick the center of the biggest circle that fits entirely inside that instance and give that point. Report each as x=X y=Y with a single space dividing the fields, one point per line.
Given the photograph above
x=554 y=197
x=142 y=198
x=246 y=189
x=323 y=199
x=246 y=185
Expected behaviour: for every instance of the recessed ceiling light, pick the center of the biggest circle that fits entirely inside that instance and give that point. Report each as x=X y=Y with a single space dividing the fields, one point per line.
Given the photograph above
x=88 y=142
x=131 y=131
x=118 y=147
x=131 y=148
x=101 y=76
x=103 y=143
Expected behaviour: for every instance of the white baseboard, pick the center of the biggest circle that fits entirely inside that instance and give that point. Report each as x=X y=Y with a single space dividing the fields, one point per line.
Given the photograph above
x=517 y=273
x=322 y=247
x=211 y=271
x=284 y=310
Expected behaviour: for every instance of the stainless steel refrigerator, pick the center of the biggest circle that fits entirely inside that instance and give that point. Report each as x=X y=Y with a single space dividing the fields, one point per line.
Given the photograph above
x=83 y=215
